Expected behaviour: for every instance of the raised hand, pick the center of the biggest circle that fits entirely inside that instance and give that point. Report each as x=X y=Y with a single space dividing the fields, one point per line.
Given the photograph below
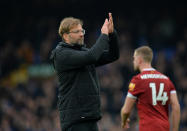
x=104 y=29
x=110 y=25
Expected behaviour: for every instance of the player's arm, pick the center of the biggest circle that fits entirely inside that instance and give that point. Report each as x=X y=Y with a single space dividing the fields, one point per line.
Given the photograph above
x=126 y=110
x=175 y=111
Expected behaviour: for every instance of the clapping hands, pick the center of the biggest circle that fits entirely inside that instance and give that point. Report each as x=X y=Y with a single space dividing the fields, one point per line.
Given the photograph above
x=108 y=26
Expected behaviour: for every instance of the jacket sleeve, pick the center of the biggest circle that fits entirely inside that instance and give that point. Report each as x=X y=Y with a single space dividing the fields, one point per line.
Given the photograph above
x=69 y=58
x=112 y=53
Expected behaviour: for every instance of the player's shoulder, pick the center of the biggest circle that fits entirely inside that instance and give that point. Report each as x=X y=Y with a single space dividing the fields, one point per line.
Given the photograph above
x=137 y=77
x=136 y=82
x=162 y=75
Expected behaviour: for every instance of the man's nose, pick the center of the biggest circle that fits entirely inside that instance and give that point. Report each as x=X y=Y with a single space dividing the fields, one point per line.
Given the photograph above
x=81 y=33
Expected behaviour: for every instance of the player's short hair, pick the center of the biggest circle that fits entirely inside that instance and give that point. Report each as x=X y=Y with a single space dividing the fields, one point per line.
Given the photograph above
x=67 y=24
x=146 y=53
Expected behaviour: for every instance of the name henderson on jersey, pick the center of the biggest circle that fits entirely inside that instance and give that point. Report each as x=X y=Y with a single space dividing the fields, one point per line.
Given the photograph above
x=149 y=76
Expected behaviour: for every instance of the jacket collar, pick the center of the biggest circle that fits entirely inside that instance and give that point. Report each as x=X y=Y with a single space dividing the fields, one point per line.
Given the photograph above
x=73 y=46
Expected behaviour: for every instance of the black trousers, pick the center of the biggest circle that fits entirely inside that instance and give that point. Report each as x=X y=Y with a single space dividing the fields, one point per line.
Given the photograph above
x=84 y=126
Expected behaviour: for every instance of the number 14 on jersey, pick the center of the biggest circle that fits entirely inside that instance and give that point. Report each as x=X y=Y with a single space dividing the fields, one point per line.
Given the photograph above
x=162 y=96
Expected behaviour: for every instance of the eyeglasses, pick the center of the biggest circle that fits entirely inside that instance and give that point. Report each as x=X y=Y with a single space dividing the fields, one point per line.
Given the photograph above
x=78 y=31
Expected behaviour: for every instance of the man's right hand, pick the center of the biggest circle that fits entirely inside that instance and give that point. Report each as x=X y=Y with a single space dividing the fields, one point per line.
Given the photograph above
x=104 y=29
x=126 y=124
x=110 y=24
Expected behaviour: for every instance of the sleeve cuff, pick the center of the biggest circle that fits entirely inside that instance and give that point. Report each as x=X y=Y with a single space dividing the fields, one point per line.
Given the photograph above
x=131 y=96
x=172 y=92
x=114 y=33
x=105 y=37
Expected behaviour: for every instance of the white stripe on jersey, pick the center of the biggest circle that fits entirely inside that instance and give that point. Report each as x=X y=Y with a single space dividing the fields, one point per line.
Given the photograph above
x=171 y=92
x=131 y=96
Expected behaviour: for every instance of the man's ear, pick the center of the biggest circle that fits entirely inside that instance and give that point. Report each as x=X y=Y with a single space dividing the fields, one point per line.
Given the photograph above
x=65 y=36
x=140 y=60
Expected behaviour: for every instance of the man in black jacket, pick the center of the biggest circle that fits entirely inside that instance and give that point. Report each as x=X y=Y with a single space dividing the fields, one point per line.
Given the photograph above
x=79 y=90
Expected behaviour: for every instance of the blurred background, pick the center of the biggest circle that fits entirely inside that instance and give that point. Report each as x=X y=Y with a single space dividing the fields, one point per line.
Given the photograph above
x=29 y=31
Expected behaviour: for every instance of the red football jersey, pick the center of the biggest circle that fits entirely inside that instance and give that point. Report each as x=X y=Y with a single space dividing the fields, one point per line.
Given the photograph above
x=152 y=91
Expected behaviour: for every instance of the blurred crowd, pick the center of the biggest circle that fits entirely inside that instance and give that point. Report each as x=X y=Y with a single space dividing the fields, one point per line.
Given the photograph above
x=28 y=84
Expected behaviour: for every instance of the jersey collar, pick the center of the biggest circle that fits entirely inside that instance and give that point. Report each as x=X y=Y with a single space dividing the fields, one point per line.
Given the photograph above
x=148 y=69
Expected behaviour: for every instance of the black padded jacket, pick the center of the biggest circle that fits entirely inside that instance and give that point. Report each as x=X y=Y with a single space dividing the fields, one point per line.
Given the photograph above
x=79 y=89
